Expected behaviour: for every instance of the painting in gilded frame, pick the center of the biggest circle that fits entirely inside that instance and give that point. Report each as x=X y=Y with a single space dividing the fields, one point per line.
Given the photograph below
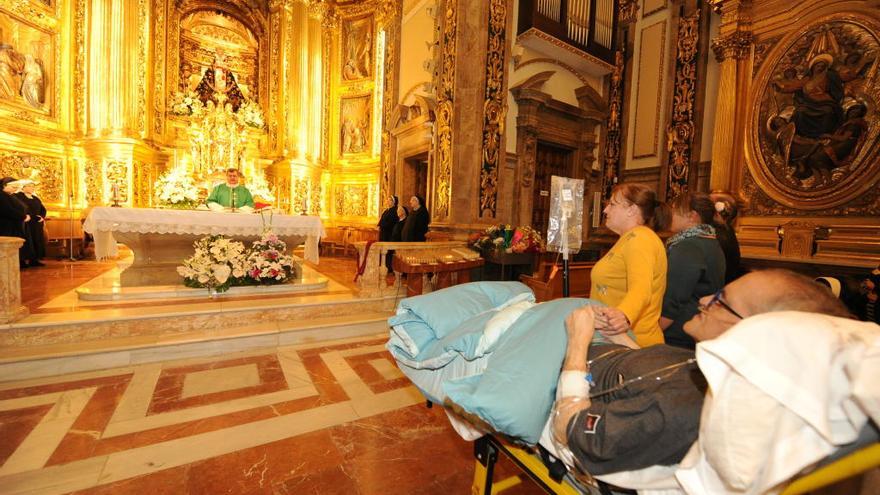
x=355 y=123
x=814 y=125
x=27 y=65
x=357 y=48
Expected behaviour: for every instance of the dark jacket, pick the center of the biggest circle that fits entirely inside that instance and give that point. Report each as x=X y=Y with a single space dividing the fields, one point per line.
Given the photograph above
x=695 y=269
x=648 y=422
x=12 y=214
x=730 y=246
x=387 y=223
x=416 y=226
x=34 y=227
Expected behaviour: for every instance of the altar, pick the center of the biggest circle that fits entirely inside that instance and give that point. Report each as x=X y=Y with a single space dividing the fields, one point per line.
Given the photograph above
x=161 y=239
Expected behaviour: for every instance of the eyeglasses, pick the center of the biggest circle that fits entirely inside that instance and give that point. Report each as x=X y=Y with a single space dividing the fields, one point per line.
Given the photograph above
x=716 y=299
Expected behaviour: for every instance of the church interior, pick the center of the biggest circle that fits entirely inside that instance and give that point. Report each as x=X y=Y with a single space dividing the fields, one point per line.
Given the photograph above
x=118 y=377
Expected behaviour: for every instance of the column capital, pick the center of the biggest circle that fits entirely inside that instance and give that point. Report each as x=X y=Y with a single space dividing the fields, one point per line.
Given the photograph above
x=735 y=45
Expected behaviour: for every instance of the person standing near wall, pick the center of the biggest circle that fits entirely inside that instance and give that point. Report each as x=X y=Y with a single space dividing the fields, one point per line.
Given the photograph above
x=34 y=226
x=416 y=225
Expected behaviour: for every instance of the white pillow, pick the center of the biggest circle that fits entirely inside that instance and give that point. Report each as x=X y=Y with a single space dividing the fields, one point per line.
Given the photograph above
x=499 y=324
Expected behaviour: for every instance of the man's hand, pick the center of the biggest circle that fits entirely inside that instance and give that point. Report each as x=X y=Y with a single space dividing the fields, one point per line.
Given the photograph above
x=615 y=321
x=580 y=326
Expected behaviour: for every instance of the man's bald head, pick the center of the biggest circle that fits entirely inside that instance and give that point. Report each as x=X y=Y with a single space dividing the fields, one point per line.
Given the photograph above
x=759 y=292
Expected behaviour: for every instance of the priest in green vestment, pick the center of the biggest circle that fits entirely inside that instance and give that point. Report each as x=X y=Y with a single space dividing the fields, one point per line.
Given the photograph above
x=224 y=194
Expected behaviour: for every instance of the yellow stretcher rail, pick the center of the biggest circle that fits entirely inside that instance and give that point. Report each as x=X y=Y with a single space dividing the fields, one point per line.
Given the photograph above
x=487 y=448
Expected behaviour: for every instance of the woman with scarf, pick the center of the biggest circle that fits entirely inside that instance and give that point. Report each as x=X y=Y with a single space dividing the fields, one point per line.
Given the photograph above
x=33 y=227
x=695 y=265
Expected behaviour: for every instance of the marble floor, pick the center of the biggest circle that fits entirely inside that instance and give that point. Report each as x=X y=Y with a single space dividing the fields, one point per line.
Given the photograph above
x=323 y=418
x=336 y=417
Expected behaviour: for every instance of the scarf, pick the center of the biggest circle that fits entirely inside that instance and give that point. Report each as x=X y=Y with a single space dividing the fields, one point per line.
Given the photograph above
x=701 y=230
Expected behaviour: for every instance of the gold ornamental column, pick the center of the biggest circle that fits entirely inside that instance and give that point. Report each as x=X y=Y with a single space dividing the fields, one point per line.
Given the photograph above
x=732 y=48
x=112 y=77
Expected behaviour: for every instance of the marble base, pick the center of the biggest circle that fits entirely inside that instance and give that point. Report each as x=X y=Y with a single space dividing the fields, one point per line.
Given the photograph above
x=157 y=256
x=179 y=291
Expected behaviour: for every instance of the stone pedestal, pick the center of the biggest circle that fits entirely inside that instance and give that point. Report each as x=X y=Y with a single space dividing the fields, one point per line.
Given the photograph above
x=10 y=281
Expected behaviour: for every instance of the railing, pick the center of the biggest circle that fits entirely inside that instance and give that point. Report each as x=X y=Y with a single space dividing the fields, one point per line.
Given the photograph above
x=585 y=24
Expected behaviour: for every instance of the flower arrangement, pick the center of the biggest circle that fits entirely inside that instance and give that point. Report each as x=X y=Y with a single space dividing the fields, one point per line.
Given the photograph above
x=267 y=261
x=508 y=239
x=176 y=188
x=251 y=115
x=217 y=264
x=259 y=188
x=186 y=104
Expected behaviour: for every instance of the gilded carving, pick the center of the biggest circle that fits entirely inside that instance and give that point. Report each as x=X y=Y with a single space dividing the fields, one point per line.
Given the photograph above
x=814 y=124
x=159 y=67
x=79 y=77
x=627 y=11
x=94 y=182
x=736 y=45
x=494 y=108
x=762 y=49
x=352 y=200
x=117 y=175
x=47 y=172
x=615 y=115
x=680 y=134
x=141 y=75
x=527 y=159
x=389 y=100
x=442 y=143
x=27 y=10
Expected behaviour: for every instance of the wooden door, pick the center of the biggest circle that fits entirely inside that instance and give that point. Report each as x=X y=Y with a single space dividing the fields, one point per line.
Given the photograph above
x=549 y=161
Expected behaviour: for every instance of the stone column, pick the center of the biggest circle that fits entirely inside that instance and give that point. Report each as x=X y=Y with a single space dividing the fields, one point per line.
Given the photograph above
x=732 y=47
x=10 y=281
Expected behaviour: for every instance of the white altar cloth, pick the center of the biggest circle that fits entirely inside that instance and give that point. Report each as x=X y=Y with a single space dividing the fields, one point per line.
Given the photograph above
x=103 y=221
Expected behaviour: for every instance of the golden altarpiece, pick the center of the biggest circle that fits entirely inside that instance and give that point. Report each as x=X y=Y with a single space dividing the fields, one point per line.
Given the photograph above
x=96 y=99
x=796 y=129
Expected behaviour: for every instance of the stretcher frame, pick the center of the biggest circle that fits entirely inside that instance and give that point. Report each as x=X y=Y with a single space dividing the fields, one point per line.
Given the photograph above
x=487 y=448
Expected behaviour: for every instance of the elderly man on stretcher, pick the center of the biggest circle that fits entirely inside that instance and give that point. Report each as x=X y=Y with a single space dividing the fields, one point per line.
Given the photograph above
x=787 y=389
x=637 y=437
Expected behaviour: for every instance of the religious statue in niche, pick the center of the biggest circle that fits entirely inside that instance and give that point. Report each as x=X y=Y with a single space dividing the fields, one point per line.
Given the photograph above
x=22 y=73
x=816 y=111
x=219 y=79
x=355 y=125
x=357 y=49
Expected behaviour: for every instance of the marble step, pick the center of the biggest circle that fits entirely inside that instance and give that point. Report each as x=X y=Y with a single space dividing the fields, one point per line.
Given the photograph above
x=56 y=358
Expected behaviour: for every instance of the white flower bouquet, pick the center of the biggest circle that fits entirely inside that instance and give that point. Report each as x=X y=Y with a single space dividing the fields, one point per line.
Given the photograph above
x=259 y=188
x=186 y=104
x=176 y=189
x=217 y=264
x=268 y=262
x=251 y=114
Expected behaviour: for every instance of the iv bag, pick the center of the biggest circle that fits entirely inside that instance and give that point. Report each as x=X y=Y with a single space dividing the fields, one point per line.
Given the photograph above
x=565 y=227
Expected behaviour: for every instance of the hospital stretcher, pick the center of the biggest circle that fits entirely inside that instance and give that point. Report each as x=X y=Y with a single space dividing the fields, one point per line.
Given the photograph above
x=439 y=372
x=488 y=448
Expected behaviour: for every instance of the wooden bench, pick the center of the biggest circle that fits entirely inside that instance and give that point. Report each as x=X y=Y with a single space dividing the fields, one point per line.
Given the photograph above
x=546 y=282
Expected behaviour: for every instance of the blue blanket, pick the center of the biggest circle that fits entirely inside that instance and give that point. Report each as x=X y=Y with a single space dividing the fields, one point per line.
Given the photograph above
x=515 y=391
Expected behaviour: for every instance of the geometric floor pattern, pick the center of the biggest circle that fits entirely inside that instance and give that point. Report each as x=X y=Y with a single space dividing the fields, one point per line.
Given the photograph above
x=327 y=418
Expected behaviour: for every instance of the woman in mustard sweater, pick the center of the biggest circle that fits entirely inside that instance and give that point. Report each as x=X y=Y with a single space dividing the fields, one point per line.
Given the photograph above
x=631 y=277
